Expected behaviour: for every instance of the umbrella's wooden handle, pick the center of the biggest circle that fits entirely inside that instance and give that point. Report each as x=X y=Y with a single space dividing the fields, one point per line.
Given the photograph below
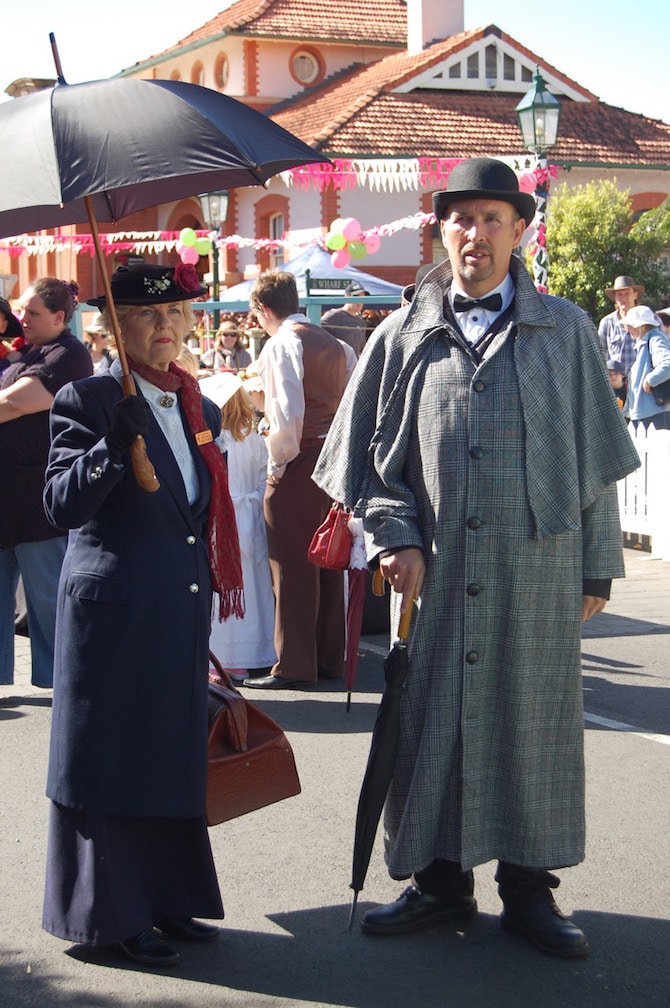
x=145 y=474
x=405 y=623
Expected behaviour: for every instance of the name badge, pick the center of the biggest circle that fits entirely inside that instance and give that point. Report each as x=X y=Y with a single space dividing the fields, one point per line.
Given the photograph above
x=203 y=437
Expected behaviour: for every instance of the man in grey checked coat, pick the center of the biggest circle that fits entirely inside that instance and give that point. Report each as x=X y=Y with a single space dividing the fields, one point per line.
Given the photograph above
x=480 y=441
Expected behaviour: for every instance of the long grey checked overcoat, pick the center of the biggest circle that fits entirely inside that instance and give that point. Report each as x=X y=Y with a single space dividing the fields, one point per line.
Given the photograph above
x=503 y=474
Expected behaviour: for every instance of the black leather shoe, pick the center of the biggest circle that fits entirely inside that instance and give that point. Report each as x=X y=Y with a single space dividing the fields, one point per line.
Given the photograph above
x=414 y=910
x=149 y=948
x=273 y=682
x=545 y=926
x=187 y=929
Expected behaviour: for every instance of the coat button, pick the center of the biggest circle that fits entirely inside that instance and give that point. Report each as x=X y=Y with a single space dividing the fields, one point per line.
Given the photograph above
x=479 y=385
x=476 y=452
x=474 y=522
x=473 y=589
x=194 y=589
x=472 y=657
x=190 y=540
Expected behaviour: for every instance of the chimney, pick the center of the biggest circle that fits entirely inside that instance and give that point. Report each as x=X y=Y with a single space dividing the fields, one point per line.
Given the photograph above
x=429 y=20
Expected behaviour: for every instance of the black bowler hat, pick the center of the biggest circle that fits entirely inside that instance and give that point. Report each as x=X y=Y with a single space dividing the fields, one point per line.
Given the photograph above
x=483 y=178
x=146 y=283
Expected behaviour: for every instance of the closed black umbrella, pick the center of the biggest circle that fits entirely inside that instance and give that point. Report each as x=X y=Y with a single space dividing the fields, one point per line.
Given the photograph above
x=381 y=760
x=104 y=149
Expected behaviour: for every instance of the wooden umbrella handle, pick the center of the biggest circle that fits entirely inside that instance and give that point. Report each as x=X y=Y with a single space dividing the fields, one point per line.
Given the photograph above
x=145 y=474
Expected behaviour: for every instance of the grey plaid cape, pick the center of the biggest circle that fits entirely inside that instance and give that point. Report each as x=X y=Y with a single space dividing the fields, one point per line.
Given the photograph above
x=503 y=474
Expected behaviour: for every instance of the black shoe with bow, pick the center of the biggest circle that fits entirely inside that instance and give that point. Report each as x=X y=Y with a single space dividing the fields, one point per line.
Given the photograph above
x=414 y=910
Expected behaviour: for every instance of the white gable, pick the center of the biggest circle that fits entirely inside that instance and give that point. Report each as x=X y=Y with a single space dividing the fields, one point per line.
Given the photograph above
x=488 y=64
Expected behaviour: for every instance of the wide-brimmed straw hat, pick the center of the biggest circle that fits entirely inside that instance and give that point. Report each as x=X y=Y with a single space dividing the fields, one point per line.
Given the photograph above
x=483 y=178
x=147 y=284
x=621 y=283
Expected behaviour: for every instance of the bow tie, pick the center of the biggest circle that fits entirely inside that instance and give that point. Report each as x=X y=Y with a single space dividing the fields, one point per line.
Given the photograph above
x=493 y=302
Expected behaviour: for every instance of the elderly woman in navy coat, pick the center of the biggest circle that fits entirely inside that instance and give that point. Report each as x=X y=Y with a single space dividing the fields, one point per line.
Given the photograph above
x=129 y=858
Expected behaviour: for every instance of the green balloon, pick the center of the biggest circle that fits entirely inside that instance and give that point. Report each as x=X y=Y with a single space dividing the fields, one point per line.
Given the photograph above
x=357 y=250
x=335 y=241
x=187 y=236
x=203 y=246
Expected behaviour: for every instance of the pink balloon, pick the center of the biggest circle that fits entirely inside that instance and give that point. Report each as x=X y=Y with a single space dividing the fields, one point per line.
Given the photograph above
x=190 y=255
x=372 y=243
x=351 y=229
x=179 y=248
x=340 y=259
x=527 y=181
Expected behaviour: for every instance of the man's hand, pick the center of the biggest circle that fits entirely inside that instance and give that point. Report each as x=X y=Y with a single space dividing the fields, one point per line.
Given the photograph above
x=591 y=605
x=404 y=571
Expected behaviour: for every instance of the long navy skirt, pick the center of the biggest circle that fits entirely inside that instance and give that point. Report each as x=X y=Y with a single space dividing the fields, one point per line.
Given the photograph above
x=108 y=877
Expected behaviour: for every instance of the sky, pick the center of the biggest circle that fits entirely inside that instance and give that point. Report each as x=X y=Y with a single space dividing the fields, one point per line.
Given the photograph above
x=615 y=50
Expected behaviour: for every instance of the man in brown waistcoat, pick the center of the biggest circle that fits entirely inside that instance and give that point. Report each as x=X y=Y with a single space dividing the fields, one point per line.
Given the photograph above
x=303 y=371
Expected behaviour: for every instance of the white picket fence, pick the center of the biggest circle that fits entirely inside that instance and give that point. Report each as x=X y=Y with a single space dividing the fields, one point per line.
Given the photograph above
x=644 y=496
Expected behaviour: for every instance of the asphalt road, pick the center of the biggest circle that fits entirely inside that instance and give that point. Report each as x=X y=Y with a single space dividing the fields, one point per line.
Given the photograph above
x=285 y=870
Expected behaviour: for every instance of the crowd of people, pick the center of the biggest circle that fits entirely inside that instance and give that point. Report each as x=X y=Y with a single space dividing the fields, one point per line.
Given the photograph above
x=439 y=432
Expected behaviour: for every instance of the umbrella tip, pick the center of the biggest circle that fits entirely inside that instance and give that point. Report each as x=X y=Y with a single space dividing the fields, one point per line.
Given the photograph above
x=352 y=912
x=348 y=701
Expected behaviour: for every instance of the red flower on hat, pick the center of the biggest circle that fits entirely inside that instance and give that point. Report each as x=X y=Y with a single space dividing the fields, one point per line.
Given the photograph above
x=186 y=278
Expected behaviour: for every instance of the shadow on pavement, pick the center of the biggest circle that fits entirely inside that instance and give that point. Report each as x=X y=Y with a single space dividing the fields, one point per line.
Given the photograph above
x=316 y=961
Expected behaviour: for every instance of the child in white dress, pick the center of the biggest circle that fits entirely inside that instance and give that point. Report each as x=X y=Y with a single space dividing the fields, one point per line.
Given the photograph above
x=244 y=644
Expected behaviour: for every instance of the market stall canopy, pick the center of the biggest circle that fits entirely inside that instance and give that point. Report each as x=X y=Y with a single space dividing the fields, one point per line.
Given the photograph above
x=317 y=260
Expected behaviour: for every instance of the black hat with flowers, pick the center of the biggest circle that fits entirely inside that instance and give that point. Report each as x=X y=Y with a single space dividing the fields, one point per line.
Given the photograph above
x=147 y=284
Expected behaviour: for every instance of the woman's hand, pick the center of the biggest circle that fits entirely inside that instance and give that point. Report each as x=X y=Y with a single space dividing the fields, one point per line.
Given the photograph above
x=131 y=419
x=404 y=571
x=591 y=605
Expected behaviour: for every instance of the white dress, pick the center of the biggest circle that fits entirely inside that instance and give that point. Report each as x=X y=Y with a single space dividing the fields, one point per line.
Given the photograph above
x=247 y=643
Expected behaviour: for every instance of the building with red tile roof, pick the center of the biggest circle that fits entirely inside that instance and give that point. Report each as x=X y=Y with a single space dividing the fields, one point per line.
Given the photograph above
x=394 y=92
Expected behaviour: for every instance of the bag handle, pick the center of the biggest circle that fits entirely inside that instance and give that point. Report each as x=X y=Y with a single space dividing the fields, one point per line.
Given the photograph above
x=221 y=684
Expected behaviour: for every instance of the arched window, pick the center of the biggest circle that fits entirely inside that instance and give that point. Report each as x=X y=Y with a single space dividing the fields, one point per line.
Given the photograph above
x=197 y=73
x=307 y=66
x=175 y=75
x=221 y=71
x=277 y=227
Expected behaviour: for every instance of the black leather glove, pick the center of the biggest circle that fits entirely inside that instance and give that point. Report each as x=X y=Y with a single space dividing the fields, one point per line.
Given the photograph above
x=131 y=417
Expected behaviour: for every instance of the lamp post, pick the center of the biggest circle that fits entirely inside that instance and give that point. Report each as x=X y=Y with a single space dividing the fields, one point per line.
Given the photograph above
x=214 y=207
x=537 y=116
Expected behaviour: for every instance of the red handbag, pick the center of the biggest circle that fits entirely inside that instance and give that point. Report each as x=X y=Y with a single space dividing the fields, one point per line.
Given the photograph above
x=331 y=543
x=250 y=762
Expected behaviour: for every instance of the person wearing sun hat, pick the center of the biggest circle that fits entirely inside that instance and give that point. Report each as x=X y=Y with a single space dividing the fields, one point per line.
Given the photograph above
x=129 y=860
x=615 y=340
x=650 y=368
x=480 y=443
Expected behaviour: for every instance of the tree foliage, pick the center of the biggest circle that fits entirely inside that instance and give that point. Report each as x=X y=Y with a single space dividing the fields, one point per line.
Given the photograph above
x=592 y=237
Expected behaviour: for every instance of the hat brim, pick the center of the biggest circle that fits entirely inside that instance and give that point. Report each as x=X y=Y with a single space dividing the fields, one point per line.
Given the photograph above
x=169 y=297
x=611 y=291
x=523 y=202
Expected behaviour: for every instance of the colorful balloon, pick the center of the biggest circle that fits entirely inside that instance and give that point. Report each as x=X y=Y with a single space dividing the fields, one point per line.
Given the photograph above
x=187 y=236
x=357 y=250
x=337 y=225
x=190 y=255
x=203 y=246
x=351 y=229
x=335 y=241
x=340 y=259
x=527 y=181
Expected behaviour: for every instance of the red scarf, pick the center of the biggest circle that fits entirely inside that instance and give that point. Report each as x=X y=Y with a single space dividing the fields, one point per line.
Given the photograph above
x=224 y=546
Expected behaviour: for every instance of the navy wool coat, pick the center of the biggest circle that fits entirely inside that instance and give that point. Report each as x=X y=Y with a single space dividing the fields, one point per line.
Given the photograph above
x=130 y=674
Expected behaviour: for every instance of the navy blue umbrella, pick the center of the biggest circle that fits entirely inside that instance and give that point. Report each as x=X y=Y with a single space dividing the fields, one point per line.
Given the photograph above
x=102 y=150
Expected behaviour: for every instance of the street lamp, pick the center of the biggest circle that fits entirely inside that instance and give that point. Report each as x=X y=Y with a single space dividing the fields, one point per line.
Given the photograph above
x=537 y=116
x=214 y=208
